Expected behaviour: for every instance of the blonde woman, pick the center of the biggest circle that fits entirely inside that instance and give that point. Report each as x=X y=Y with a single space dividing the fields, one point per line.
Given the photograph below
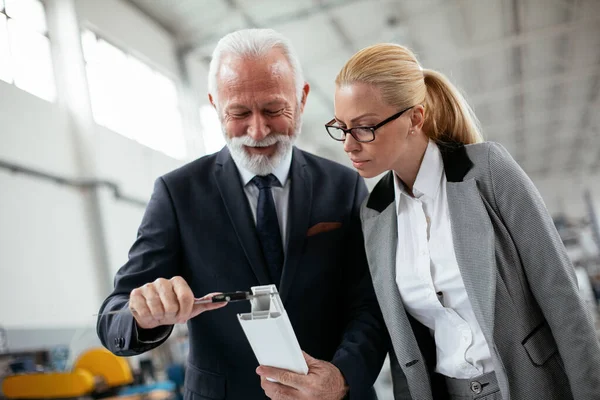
x=476 y=288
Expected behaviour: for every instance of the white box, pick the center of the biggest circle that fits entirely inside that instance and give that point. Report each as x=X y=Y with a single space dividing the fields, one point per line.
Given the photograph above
x=270 y=332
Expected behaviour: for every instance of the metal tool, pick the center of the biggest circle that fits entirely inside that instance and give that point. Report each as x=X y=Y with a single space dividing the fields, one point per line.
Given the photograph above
x=227 y=297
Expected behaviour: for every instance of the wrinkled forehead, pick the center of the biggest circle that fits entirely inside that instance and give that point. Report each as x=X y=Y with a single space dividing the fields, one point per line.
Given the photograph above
x=273 y=66
x=245 y=77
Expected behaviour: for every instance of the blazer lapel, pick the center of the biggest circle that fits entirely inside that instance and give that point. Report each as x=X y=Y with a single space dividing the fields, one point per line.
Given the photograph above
x=381 y=238
x=230 y=187
x=473 y=235
x=300 y=205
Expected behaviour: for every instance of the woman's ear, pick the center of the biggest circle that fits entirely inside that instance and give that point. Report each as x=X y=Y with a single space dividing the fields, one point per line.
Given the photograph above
x=417 y=117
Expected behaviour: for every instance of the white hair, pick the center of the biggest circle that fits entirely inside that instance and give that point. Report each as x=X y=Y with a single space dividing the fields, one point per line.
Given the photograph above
x=254 y=43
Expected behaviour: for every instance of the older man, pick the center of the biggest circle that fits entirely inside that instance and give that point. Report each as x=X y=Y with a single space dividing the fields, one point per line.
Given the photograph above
x=258 y=212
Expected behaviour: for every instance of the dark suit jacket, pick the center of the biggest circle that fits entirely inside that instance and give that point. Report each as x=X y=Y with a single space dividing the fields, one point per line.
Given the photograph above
x=198 y=225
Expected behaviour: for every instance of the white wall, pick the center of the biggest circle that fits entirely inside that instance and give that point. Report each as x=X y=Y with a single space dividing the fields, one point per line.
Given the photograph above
x=44 y=248
x=134 y=168
x=34 y=132
x=45 y=255
x=47 y=278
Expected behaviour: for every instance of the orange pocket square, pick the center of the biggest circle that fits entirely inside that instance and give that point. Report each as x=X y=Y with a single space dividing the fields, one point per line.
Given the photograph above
x=323 y=227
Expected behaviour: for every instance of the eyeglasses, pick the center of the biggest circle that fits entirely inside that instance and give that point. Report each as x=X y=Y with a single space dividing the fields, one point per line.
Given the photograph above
x=362 y=134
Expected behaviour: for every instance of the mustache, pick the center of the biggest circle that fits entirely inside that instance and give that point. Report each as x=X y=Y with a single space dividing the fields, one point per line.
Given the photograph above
x=270 y=140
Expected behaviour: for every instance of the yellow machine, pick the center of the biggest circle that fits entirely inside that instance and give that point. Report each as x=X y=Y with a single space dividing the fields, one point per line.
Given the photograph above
x=96 y=369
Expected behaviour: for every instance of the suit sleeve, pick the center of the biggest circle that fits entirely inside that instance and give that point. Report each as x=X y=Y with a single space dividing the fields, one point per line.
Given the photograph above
x=365 y=340
x=155 y=254
x=549 y=272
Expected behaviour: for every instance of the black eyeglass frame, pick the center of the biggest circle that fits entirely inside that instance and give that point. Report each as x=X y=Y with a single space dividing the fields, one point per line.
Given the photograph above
x=371 y=128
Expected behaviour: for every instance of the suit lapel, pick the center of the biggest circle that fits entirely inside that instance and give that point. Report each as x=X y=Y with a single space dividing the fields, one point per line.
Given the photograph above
x=381 y=238
x=473 y=237
x=230 y=187
x=300 y=205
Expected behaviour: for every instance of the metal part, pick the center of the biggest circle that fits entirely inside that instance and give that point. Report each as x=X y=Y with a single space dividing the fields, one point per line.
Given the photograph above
x=227 y=297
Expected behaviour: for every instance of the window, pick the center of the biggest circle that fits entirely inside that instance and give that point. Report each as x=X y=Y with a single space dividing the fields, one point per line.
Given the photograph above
x=131 y=98
x=25 y=57
x=211 y=129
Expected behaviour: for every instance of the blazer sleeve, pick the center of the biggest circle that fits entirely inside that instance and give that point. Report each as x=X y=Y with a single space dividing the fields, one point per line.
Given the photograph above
x=154 y=254
x=365 y=341
x=549 y=271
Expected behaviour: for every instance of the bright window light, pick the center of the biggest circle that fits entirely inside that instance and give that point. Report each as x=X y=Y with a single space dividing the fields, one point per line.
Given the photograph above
x=32 y=61
x=5 y=68
x=106 y=79
x=211 y=129
x=25 y=55
x=30 y=13
x=132 y=99
x=88 y=43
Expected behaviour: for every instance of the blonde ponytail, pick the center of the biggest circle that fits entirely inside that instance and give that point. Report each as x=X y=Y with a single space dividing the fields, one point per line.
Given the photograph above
x=448 y=116
x=394 y=69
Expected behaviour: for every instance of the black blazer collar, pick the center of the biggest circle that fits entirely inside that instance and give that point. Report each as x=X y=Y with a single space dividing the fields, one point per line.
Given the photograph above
x=456 y=165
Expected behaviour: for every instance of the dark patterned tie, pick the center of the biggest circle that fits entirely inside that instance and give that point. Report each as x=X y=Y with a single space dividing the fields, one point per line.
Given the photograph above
x=267 y=226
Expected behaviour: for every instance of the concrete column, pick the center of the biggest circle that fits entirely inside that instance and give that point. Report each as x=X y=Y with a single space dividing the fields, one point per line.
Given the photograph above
x=74 y=98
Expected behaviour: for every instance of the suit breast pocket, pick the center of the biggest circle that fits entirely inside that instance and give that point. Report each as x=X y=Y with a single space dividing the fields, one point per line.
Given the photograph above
x=323 y=227
x=324 y=255
x=540 y=345
x=326 y=243
x=325 y=232
x=543 y=353
x=202 y=385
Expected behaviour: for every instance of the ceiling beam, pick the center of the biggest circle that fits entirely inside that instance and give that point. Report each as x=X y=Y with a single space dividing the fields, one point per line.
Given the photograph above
x=150 y=16
x=537 y=83
x=300 y=15
x=529 y=120
x=520 y=39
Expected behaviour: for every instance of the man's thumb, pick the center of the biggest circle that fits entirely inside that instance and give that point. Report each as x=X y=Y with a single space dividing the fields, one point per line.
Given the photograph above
x=308 y=358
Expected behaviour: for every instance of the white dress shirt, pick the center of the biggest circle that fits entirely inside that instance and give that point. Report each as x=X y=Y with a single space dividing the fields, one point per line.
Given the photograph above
x=281 y=194
x=428 y=275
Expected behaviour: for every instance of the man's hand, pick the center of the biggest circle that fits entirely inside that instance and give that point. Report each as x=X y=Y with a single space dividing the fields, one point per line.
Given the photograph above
x=324 y=382
x=166 y=302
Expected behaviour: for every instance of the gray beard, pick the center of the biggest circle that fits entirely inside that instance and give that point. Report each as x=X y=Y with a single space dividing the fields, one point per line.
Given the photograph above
x=260 y=164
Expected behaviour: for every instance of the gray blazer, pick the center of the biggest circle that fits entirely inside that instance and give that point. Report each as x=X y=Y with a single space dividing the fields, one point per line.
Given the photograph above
x=517 y=275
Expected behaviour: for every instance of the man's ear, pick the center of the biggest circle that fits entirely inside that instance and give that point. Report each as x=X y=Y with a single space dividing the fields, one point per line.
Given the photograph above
x=305 y=91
